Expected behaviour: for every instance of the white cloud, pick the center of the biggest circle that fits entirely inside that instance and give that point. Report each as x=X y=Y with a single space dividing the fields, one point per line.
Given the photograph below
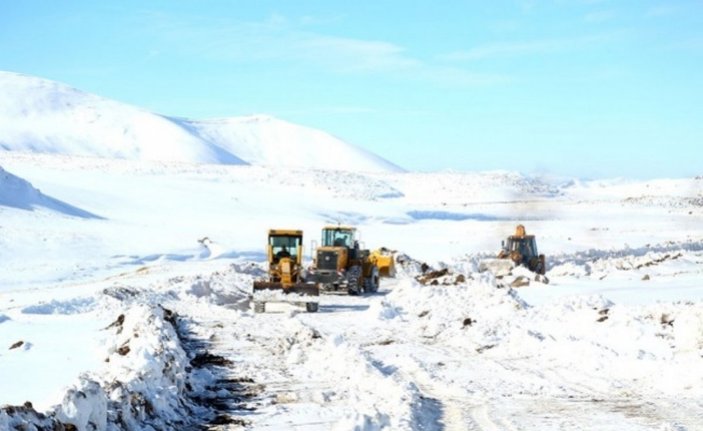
x=278 y=39
x=514 y=49
x=506 y=49
x=352 y=54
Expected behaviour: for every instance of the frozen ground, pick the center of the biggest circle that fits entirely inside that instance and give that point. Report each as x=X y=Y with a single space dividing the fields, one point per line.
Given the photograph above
x=129 y=319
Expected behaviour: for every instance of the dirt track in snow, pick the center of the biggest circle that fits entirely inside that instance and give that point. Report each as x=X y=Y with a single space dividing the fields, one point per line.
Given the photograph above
x=337 y=368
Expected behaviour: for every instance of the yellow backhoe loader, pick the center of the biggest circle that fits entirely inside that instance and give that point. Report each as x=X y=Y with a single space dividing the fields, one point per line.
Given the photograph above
x=519 y=249
x=285 y=282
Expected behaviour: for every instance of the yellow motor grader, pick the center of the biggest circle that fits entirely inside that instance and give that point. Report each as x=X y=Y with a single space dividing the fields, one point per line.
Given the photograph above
x=341 y=265
x=285 y=282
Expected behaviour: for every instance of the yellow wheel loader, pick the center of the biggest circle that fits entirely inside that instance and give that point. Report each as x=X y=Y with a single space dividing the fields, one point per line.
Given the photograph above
x=285 y=281
x=519 y=249
x=340 y=265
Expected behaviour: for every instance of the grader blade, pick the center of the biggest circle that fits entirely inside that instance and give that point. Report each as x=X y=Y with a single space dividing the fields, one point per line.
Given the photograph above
x=265 y=288
x=299 y=294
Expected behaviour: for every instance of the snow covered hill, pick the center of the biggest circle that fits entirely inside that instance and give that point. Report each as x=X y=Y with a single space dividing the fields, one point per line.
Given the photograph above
x=18 y=193
x=264 y=140
x=43 y=116
x=38 y=115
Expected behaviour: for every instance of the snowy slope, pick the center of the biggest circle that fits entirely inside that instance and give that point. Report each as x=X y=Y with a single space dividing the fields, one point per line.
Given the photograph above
x=43 y=116
x=264 y=140
x=18 y=193
x=39 y=115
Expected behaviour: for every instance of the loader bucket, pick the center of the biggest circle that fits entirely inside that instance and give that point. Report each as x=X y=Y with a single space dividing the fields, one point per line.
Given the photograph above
x=384 y=261
x=498 y=267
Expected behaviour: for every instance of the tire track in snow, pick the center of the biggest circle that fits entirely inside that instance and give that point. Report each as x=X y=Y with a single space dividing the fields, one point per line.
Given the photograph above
x=597 y=394
x=439 y=403
x=456 y=413
x=308 y=378
x=257 y=353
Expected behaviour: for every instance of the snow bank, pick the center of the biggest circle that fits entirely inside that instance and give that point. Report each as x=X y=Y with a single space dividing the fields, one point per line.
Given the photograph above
x=24 y=417
x=17 y=192
x=601 y=262
x=447 y=312
x=580 y=336
x=231 y=288
x=143 y=386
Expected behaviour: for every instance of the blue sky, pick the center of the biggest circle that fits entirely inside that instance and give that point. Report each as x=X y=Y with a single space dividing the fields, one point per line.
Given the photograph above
x=587 y=88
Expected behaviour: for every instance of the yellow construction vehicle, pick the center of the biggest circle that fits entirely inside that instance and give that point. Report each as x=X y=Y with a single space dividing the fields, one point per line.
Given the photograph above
x=518 y=249
x=340 y=265
x=285 y=282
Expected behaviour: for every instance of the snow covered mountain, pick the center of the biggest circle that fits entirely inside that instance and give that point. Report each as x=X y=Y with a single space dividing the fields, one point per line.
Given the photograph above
x=39 y=115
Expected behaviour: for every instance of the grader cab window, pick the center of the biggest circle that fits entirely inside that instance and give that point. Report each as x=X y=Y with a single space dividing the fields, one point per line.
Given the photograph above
x=281 y=245
x=337 y=238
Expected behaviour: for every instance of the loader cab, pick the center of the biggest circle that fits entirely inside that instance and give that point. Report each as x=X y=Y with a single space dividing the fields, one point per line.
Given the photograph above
x=338 y=236
x=526 y=246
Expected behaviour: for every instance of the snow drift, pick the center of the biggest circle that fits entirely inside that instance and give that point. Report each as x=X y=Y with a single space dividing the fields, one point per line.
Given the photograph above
x=146 y=382
x=18 y=193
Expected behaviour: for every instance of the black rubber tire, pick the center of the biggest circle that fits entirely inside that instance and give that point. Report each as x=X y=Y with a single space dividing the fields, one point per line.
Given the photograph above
x=355 y=285
x=312 y=307
x=371 y=282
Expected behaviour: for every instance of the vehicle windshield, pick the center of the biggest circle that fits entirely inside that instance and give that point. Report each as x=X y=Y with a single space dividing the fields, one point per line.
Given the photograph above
x=525 y=246
x=337 y=238
x=290 y=243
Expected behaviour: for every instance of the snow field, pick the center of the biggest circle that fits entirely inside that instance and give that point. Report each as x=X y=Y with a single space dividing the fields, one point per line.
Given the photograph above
x=614 y=339
x=432 y=354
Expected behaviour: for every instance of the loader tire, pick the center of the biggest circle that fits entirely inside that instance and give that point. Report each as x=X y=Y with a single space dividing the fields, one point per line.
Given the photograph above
x=372 y=281
x=354 y=283
x=311 y=307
